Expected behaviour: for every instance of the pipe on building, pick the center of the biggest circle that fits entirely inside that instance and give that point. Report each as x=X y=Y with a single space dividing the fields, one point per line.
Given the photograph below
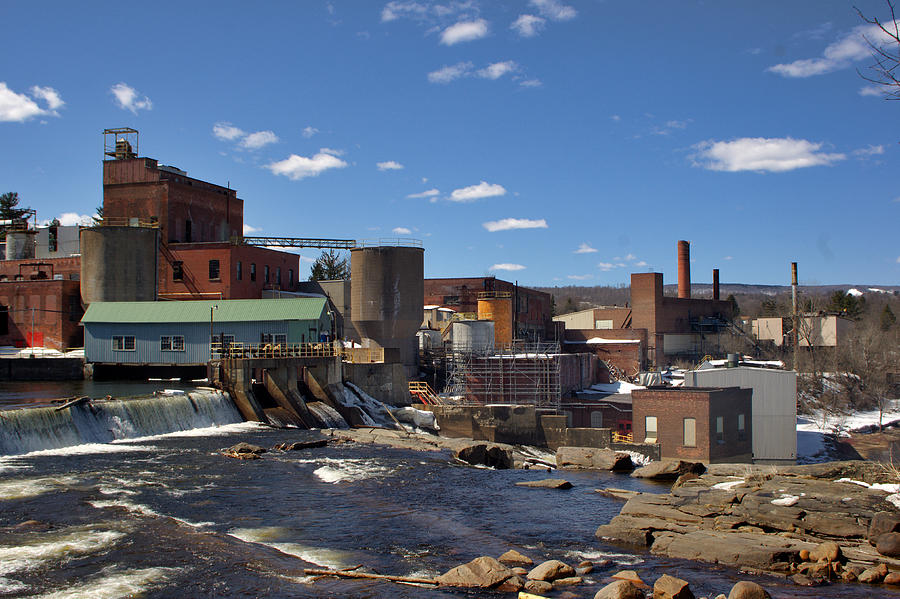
x=715 y=283
x=684 y=269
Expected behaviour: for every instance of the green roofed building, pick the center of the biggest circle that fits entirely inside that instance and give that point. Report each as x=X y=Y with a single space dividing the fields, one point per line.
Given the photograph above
x=178 y=333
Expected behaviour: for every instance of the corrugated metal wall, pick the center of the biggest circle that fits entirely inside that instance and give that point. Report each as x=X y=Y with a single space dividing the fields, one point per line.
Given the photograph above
x=774 y=424
x=98 y=339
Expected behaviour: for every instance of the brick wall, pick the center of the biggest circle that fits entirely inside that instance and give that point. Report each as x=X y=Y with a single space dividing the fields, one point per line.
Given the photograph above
x=53 y=322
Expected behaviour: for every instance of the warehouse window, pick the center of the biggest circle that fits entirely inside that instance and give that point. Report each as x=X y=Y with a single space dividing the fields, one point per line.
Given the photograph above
x=266 y=273
x=720 y=429
x=278 y=276
x=650 y=429
x=291 y=278
x=742 y=429
x=177 y=270
x=123 y=342
x=597 y=419
x=187 y=231
x=253 y=271
x=171 y=343
x=240 y=271
x=279 y=339
x=690 y=432
x=213 y=270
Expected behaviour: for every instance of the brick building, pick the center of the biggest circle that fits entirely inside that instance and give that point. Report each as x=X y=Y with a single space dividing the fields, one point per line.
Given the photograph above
x=531 y=313
x=691 y=423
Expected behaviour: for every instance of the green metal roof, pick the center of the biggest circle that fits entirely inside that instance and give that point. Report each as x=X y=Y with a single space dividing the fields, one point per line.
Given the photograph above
x=248 y=310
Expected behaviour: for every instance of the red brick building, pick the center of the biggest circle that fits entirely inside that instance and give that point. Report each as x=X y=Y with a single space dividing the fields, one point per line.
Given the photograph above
x=693 y=423
x=531 y=313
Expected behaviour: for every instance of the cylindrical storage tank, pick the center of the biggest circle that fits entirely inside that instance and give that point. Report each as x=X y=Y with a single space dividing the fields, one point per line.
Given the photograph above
x=732 y=360
x=498 y=310
x=119 y=264
x=20 y=245
x=429 y=339
x=475 y=336
x=387 y=292
x=684 y=269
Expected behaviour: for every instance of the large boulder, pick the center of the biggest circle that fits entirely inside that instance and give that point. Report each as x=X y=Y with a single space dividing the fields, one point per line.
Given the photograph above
x=593 y=458
x=881 y=523
x=242 y=447
x=547 y=483
x=482 y=572
x=668 y=469
x=888 y=544
x=486 y=455
x=873 y=575
x=828 y=551
x=550 y=570
x=669 y=587
x=538 y=586
x=748 y=590
x=620 y=589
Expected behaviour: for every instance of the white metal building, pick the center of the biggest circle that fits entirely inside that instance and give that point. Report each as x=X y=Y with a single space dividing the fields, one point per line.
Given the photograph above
x=774 y=406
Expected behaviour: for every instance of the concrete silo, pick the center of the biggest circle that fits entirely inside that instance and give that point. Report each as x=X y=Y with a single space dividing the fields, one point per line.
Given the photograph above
x=387 y=292
x=119 y=264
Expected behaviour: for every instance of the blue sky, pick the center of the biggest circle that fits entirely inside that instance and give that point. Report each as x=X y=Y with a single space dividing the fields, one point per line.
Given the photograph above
x=549 y=142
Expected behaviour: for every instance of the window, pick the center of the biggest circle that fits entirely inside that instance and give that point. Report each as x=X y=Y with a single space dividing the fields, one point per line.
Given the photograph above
x=650 y=429
x=123 y=342
x=266 y=273
x=177 y=270
x=742 y=429
x=279 y=339
x=278 y=276
x=171 y=343
x=451 y=300
x=187 y=231
x=213 y=270
x=240 y=271
x=596 y=419
x=252 y=271
x=291 y=278
x=690 y=432
x=720 y=429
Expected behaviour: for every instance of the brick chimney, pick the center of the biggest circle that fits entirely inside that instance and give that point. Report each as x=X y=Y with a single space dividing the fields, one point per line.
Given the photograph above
x=715 y=283
x=684 y=269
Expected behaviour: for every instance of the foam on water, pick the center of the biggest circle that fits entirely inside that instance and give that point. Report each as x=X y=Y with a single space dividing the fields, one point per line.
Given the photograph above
x=86 y=449
x=113 y=584
x=144 y=510
x=22 y=557
x=596 y=556
x=269 y=535
x=32 y=487
x=348 y=470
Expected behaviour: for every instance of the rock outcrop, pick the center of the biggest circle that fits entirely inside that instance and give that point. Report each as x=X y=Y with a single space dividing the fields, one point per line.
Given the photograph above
x=620 y=589
x=593 y=458
x=547 y=483
x=783 y=520
x=551 y=570
x=668 y=469
x=489 y=455
x=483 y=573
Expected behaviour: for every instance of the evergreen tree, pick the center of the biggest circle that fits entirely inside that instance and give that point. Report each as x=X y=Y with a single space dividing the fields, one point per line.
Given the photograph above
x=769 y=307
x=330 y=266
x=8 y=203
x=887 y=318
x=848 y=305
x=735 y=309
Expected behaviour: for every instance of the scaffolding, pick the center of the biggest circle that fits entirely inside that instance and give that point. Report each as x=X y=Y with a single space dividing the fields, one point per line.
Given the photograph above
x=519 y=373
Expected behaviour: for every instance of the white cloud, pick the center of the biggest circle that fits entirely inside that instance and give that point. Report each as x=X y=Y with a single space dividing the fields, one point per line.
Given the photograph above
x=615 y=117
x=579 y=277
x=309 y=131
x=450 y=73
x=395 y=10
x=554 y=10
x=227 y=131
x=128 y=98
x=872 y=90
x=606 y=266
x=869 y=151
x=508 y=224
x=248 y=229
x=476 y=192
x=18 y=108
x=49 y=95
x=256 y=140
x=299 y=167
x=508 y=266
x=464 y=31
x=728 y=258
x=70 y=219
x=585 y=248
x=401 y=231
x=898 y=259
x=528 y=25
x=332 y=151
x=762 y=154
x=837 y=55
x=531 y=83
x=498 y=69
x=430 y=193
x=641 y=263
x=390 y=165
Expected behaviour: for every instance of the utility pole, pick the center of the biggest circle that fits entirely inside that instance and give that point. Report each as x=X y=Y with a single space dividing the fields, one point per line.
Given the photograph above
x=796 y=316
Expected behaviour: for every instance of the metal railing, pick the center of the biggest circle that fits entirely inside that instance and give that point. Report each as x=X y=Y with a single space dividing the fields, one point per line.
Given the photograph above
x=355 y=355
x=423 y=392
x=389 y=241
x=489 y=295
x=127 y=221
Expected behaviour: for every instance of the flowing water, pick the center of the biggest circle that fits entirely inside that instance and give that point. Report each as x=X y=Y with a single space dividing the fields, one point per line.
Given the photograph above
x=169 y=516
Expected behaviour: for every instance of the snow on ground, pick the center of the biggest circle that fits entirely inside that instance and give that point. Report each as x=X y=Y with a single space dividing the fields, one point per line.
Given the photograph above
x=854 y=291
x=815 y=431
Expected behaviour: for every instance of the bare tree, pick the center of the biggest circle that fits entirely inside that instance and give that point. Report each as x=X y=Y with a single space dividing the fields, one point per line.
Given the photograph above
x=885 y=70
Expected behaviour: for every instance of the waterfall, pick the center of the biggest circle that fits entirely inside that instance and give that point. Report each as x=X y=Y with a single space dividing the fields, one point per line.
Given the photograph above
x=327 y=416
x=102 y=421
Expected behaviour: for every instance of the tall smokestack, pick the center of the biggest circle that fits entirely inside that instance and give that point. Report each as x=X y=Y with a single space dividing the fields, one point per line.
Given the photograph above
x=715 y=283
x=684 y=269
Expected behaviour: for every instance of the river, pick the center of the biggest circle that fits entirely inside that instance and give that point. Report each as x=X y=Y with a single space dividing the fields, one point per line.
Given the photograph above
x=168 y=515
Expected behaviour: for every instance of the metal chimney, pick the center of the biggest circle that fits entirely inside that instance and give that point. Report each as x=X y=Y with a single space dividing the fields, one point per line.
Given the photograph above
x=684 y=269
x=715 y=283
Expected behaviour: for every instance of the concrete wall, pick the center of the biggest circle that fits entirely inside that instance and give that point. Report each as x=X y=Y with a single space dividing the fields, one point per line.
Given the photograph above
x=119 y=264
x=41 y=369
x=385 y=382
